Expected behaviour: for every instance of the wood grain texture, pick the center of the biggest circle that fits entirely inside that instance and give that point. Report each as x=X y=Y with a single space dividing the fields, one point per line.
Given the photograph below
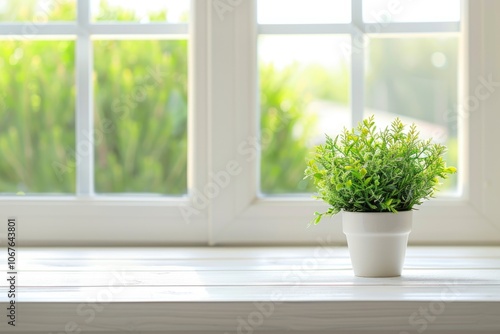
x=247 y=290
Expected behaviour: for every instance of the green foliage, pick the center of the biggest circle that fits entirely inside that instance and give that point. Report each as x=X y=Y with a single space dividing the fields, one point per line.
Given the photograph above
x=283 y=146
x=286 y=127
x=36 y=12
x=327 y=84
x=37 y=119
x=144 y=149
x=370 y=170
x=140 y=114
x=141 y=91
x=140 y=124
x=108 y=12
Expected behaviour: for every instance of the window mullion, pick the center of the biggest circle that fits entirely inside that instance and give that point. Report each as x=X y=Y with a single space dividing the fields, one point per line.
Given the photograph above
x=84 y=113
x=233 y=116
x=357 y=62
x=196 y=214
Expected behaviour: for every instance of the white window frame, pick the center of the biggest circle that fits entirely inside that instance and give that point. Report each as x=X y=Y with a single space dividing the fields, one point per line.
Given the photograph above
x=223 y=131
x=90 y=219
x=240 y=216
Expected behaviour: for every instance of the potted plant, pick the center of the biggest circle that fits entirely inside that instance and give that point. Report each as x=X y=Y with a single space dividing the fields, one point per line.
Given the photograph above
x=376 y=178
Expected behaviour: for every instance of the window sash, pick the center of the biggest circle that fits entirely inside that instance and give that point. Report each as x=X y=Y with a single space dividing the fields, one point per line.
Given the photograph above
x=90 y=219
x=240 y=216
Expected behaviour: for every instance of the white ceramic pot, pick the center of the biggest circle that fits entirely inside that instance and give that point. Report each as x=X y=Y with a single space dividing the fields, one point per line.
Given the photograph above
x=377 y=241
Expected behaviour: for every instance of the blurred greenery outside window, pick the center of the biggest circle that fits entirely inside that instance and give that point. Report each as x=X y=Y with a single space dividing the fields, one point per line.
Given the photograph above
x=139 y=106
x=304 y=92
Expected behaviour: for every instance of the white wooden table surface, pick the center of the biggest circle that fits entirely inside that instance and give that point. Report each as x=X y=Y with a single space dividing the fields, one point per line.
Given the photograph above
x=248 y=290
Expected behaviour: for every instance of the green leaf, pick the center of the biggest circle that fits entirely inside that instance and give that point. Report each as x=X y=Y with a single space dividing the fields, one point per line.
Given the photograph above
x=367 y=181
x=451 y=170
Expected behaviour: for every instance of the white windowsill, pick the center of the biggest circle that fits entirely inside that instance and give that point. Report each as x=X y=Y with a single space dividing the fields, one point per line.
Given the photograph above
x=153 y=290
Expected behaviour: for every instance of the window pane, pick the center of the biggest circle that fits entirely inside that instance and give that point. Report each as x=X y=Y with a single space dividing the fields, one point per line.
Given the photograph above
x=37 y=12
x=37 y=117
x=304 y=94
x=411 y=11
x=416 y=79
x=144 y=11
x=304 y=11
x=141 y=116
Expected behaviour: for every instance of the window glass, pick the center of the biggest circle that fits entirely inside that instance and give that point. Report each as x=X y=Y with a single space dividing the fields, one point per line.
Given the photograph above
x=384 y=11
x=304 y=11
x=144 y=11
x=37 y=117
x=141 y=116
x=416 y=79
x=37 y=12
x=304 y=93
